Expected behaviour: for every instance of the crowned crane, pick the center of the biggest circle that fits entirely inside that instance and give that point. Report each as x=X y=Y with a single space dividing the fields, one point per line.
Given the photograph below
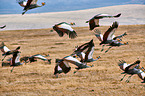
x=130 y=69
x=63 y=65
x=94 y=22
x=3 y=27
x=85 y=52
x=34 y=58
x=6 y=51
x=15 y=60
x=29 y=4
x=109 y=38
x=63 y=28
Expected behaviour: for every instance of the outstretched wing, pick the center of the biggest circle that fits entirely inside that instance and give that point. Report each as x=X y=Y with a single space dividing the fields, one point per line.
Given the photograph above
x=29 y=2
x=38 y=56
x=100 y=16
x=84 y=47
x=75 y=61
x=90 y=51
x=72 y=34
x=109 y=34
x=22 y=3
x=57 y=69
x=67 y=29
x=3 y=27
x=3 y=48
x=62 y=66
x=142 y=74
x=93 y=23
x=34 y=2
x=132 y=66
x=122 y=64
x=62 y=28
x=59 y=30
x=98 y=34
x=15 y=61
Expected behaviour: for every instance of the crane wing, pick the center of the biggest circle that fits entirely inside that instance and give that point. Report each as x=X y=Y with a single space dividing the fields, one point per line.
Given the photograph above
x=84 y=47
x=34 y=2
x=62 y=66
x=98 y=35
x=62 y=28
x=100 y=16
x=4 y=48
x=38 y=56
x=122 y=64
x=15 y=59
x=109 y=34
x=3 y=27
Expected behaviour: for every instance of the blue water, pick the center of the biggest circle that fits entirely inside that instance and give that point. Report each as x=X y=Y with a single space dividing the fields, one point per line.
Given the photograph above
x=12 y=7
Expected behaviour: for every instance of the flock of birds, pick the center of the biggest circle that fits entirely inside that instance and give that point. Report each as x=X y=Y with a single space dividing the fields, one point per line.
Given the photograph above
x=83 y=53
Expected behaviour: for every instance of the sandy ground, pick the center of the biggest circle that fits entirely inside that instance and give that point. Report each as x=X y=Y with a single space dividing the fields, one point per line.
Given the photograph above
x=131 y=14
x=103 y=79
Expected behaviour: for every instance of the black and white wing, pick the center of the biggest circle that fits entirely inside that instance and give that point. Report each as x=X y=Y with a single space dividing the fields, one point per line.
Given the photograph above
x=122 y=64
x=15 y=61
x=76 y=62
x=94 y=22
x=4 y=48
x=142 y=74
x=38 y=56
x=63 y=27
x=98 y=35
x=109 y=34
x=62 y=66
x=2 y=27
x=22 y=3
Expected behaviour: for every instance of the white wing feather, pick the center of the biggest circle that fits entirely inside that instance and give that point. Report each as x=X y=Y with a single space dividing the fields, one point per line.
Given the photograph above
x=34 y=2
x=17 y=60
x=65 y=26
x=111 y=35
x=6 y=49
x=40 y=57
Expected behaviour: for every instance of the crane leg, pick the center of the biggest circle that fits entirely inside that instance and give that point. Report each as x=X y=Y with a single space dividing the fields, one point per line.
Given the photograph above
x=108 y=49
x=123 y=77
x=24 y=12
x=102 y=48
x=4 y=58
x=12 y=69
x=128 y=79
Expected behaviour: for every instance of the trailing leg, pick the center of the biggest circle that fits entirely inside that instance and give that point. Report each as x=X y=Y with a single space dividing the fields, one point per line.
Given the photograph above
x=108 y=49
x=12 y=69
x=123 y=77
x=128 y=79
x=102 y=48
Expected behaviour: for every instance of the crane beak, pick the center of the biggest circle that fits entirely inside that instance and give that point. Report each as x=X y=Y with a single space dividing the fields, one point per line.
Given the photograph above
x=43 y=3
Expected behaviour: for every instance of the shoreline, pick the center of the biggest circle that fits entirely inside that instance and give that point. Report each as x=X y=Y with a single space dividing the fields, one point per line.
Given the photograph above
x=72 y=27
x=131 y=15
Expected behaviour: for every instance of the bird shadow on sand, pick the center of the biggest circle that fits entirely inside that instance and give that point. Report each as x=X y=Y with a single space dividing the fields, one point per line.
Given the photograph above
x=59 y=43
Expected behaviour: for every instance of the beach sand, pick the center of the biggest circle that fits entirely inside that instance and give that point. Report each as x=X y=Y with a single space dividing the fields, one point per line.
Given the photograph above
x=131 y=15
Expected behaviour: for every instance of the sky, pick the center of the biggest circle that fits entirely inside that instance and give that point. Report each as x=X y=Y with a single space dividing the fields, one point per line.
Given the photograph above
x=12 y=7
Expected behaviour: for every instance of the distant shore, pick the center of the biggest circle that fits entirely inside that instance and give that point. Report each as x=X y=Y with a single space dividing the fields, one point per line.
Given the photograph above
x=131 y=15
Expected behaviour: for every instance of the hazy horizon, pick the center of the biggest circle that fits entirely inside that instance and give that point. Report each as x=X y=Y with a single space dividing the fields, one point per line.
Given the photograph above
x=131 y=15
